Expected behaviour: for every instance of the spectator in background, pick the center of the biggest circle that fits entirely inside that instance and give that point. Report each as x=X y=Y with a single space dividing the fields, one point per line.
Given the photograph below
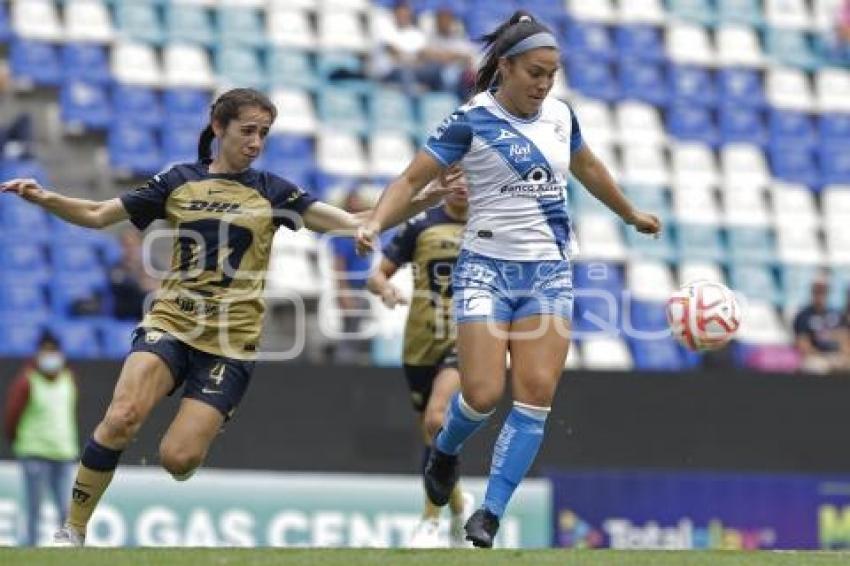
x=41 y=426
x=129 y=281
x=448 y=58
x=820 y=336
x=399 y=44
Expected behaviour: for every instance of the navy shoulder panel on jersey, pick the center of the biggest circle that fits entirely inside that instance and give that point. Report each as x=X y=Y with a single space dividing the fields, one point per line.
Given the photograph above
x=286 y=198
x=147 y=203
x=576 y=141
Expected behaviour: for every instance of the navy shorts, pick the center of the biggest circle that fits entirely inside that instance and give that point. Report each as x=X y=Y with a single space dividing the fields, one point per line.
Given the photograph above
x=420 y=379
x=215 y=380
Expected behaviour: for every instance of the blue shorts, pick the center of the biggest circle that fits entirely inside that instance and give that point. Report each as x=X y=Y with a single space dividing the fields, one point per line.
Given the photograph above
x=486 y=288
x=215 y=380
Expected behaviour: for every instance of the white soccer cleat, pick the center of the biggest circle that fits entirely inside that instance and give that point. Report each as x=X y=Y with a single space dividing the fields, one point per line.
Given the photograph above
x=67 y=537
x=426 y=535
x=457 y=534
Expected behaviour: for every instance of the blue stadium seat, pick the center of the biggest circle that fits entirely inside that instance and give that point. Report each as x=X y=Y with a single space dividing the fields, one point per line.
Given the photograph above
x=650 y=198
x=139 y=21
x=740 y=11
x=137 y=105
x=291 y=68
x=699 y=243
x=391 y=110
x=292 y=158
x=5 y=25
x=662 y=354
x=585 y=39
x=599 y=275
x=434 y=107
x=483 y=17
x=241 y=25
x=75 y=256
x=789 y=127
x=740 y=87
x=692 y=85
x=834 y=164
x=78 y=338
x=20 y=217
x=651 y=344
x=186 y=108
x=189 y=22
x=84 y=106
x=640 y=79
x=794 y=164
x=839 y=286
x=19 y=339
x=35 y=63
x=593 y=79
x=691 y=123
x=240 y=66
x=742 y=124
x=115 y=338
x=834 y=128
x=24 y=168
x=698 y=11
x=21 y=302
x=755 y=282
x=179 y=145
x=643 y=42
x=751 y=245
x=68 y=287
x=791 y=47
x=596 y=312
x=24 y=263
x=85 y=61
x=342 y=108
x=133 y=150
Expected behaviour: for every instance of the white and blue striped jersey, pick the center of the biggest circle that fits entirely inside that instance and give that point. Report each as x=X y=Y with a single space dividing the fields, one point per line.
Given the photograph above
x=517 y=171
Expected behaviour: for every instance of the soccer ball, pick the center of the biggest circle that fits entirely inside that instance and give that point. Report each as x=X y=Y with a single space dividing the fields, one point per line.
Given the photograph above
x=703 y=315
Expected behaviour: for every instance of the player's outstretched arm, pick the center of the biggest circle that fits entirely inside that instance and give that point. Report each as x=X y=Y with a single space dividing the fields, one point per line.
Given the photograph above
x=88 y=213
x=595 y=177
x=323 y=217
x=379 y=284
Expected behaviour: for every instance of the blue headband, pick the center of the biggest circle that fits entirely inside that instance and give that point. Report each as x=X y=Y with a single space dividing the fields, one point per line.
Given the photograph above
x=542 y=39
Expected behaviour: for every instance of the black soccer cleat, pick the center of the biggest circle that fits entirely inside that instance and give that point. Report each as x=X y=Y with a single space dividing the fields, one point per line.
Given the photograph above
x=440 y=477
x=481 y=528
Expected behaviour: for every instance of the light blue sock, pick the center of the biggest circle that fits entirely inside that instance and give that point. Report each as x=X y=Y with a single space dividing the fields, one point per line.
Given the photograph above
x=513 y=454
x=460 y=423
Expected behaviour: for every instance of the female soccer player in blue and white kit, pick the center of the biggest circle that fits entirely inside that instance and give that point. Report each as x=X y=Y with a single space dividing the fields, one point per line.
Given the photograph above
x=513 y=280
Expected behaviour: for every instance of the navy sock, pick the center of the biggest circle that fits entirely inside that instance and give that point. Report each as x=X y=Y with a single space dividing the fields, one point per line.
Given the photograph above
x=98 y=457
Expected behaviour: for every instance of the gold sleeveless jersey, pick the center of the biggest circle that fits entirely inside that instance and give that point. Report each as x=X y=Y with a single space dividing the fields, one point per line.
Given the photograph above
x=431 y=242
x=223 y=226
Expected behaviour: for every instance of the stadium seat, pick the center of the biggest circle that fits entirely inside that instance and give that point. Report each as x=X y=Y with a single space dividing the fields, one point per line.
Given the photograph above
x=296 y=114
x=687 y=122
x=187 y=66
x=34 y=63
x=750 y=245
x=186 y=108
x=23 y=264
x=699 y=242
x=656 y=354
x=791 y=14
x=743 y=165
x=638 y=122
x=790 y=127
x=739 y=46
x=137 y=105
x=756 y=282
x=341 y=153
x=835 y=164
x=690 y=271
x=66 y=288
x=834 y=128
x=139 y=21
x=290 y=27
x=839 y=286
x=794 y=164
x=788 y=88
x=84 y=106
x=19 y=339
x=389 y=153
x=582 y=202
x=179 y=145
x=85 y=62
x=639 y=80
x=693 y=166
x=835 y=202
x=291 y=68
x=605 y=353
x=241 y=25
x=133 y=150
x=592 y=79
x=746 y=12
x=74 y=257
x=696 y=205
x=23 y=302
x=21 y=216
x=796 y=284
x=762 y=325
x=191 y=23
x=78 y=338
x=739 y=124
x=744 y=205
x=791 y=47
x=435 y=107
x=837 y=238
x=115 y=337
x=740 y=87
x=589 y=40
x=343 y=109
x=239 y=66
x=833 y=90
x=5 y=25
x=642 y=12
x=799 y=245
x=648 y=197
x=390 y=110
x=135 y=64
x=692 y=85
x=293 y=264
x=599 y=238
x=88 y=20
x=598 y=275
x=649 y=280
x=341 y=29
x=689 y=44
x=794 y=204
x=697 y=11
x=37 y=20
x=597 y=124
x=644 y=165
x=643 y=42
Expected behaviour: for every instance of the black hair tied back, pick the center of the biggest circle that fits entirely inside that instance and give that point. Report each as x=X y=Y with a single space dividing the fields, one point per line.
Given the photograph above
x=519 y=26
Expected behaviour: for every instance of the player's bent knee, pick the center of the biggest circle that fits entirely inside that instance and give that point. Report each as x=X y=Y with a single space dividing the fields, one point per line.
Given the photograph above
x=179 y=463
x=122 y=420
x=483 y=401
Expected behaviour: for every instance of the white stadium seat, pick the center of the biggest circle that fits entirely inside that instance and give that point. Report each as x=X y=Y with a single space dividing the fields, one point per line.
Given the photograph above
x=342 y=29
x=799 y=244
x=293 y=264
x=37 y=19
x=595 y=11
x=88 y=20
x=793 y=204
x=187 y=66
x=792 y=14
x=762 y=325
x=695 y=205
x=296 y=113
x=838 y=244
x=743 y=206
x=599 y=237
x=638 y=122
x=743 y=165
x=136 y=64
x=649 y=280
x=389 y=153
x=833 y=90
x=694 y=165
x=642 y=12
x=605 y=353
x=340 y=153
x=836 y=204
x=597 y=124
x=290 y=27
x=788 y=88
x=738 y=45
x=697 y=270
x=689 y=44
x=645 y=165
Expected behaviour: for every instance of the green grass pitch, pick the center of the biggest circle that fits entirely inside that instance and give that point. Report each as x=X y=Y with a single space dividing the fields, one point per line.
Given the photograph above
x=358 y=557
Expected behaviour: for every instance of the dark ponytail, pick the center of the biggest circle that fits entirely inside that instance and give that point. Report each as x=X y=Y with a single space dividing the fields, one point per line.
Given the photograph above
x=226 y=108
x=519 y=26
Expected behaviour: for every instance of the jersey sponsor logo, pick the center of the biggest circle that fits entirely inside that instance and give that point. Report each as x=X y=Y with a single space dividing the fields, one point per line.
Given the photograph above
x=520 y=153
x=506 y=135
x=211 y=206
x=538 y=182
x=477 y=302
x=295 y=195
x=153 y=336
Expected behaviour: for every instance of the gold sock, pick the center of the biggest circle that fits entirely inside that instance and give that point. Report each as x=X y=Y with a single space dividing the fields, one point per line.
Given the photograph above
x=88 y=487
x=456 y=500
x=431 y=511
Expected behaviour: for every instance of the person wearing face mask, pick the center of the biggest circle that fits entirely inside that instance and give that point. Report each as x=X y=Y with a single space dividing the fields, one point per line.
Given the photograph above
x=512 y=284
x=41 y=426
